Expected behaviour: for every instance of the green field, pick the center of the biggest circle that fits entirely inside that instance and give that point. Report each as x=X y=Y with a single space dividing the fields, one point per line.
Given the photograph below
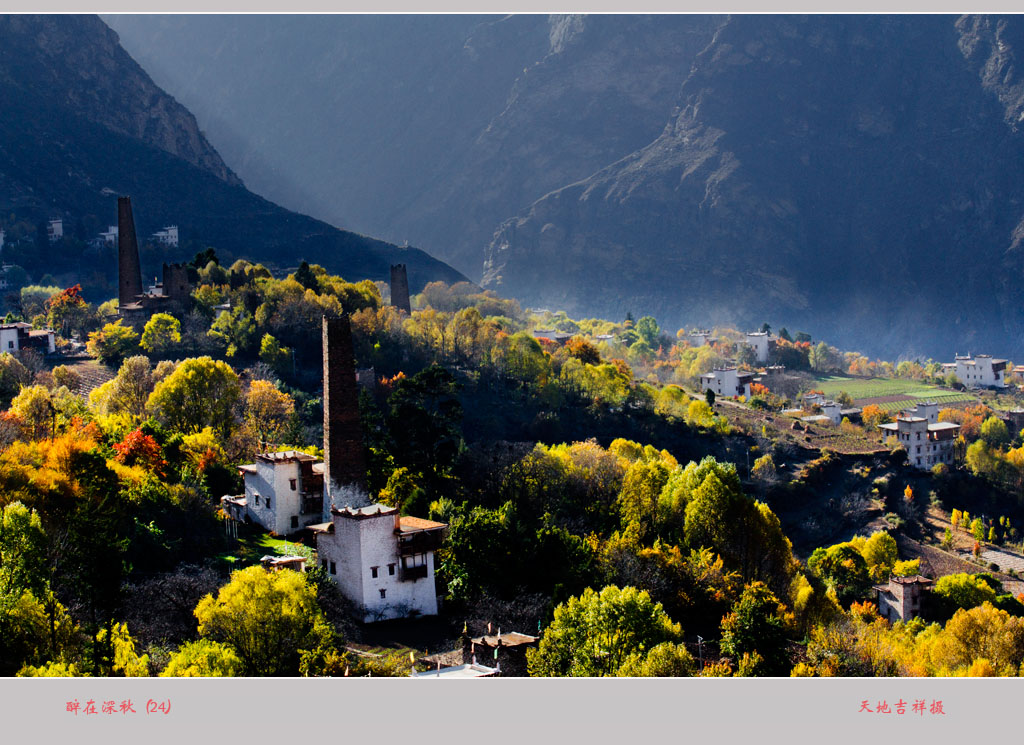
x=911 y=391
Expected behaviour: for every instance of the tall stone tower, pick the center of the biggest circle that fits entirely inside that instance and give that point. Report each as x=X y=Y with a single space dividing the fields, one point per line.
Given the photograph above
x=344 y=460
x=129 y=273
x=400 y=288
x=176 y=284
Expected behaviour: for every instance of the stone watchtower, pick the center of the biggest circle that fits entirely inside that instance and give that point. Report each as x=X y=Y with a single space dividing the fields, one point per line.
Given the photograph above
x=176 y=285
x=344 y=460
x=129 y=273
x=400 y=288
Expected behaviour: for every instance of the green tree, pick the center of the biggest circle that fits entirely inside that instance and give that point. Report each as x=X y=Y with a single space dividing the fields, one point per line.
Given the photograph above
x=272 y=353
x=112 y=343
x=34 y=406
x=667 y=660
x=162 y=334
x=270 y=619
x=962 y=591
x=425 y=420
x=648 y=331
x=22 y=555
x=764 y=469
x=13 y=375
x=994 y=433
x=597 y=633
x=201 y=392
x=756 y=625
x=203 y=659
x=843 y=569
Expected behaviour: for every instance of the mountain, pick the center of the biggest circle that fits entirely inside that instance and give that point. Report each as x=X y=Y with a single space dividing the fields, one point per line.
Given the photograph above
x=83 y=122
x=851 y=176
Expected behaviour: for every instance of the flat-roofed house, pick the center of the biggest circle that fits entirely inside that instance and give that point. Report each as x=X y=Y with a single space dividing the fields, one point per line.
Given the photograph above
x=283 y=492
x=727 y=381
x=927 y=444
x=381 y=561
x=979 y=371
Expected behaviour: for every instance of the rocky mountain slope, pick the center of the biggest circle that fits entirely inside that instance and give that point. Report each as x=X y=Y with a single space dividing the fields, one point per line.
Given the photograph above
x=853 y=176
x=82 y=123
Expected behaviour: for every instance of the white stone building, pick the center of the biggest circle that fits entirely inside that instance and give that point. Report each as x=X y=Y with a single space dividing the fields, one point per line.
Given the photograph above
x=700 y=337
x=110 y=237
x=833 y=411
x=381 y=561
x=55 y=230
x=283 y=492
x=926 y=444
x=727 y=381
x=980 y=371
x=758 y=341
x=168 y=236
x=927 y=410
x=17 y=336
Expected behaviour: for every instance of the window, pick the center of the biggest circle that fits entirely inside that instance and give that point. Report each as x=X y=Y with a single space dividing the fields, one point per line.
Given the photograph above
x=383 y=594
x=268 y=503
x=323 y=563
x=391 y=570
x=295 y=521
x=257 y=496
x=373 y=572
x=333 y=569
x=292 y=482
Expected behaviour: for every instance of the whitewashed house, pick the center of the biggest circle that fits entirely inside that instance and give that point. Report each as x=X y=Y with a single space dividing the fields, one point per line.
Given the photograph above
x=927 y=444
x=927 y=410
x=381 y=561
x=283 y=492
x=758 y=341
x=55 y=230
x=20 y=335
x=168 y=236
x=700 y=337
x=980 y=371
x=727 y=381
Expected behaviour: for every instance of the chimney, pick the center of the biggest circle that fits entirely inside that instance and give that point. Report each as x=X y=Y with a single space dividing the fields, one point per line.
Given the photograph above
x=400 y=288
x=129 y=273
x=344 y=460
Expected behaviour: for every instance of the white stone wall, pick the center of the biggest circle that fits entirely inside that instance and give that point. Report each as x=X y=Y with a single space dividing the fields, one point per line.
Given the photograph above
x=8 y=340
x=831 y=409
x=273 y=480
x=759 y=342
x=357 y=546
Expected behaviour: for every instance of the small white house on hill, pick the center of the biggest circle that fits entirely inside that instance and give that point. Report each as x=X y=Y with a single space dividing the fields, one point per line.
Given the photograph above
x=380 y=560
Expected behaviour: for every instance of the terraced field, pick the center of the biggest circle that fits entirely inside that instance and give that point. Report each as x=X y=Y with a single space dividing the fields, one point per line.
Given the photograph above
x=889 y=394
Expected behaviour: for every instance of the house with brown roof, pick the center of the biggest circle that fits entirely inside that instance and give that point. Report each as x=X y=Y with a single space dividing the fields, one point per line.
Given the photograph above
x=927 y=443
x=380 y=560
x=284 y=492
x=900 y=600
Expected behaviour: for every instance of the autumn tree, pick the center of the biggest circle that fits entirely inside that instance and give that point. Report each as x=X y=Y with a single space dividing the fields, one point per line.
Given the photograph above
x=598 y=633
x=203 y=659
x=267 y=410
x=270 y=620
x=162 y=334
x=112 y=343
x=68 y=312
x=201 y=392
x=756 y=625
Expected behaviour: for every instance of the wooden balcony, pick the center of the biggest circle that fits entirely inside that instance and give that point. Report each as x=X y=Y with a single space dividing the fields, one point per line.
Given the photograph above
x=410 y=574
